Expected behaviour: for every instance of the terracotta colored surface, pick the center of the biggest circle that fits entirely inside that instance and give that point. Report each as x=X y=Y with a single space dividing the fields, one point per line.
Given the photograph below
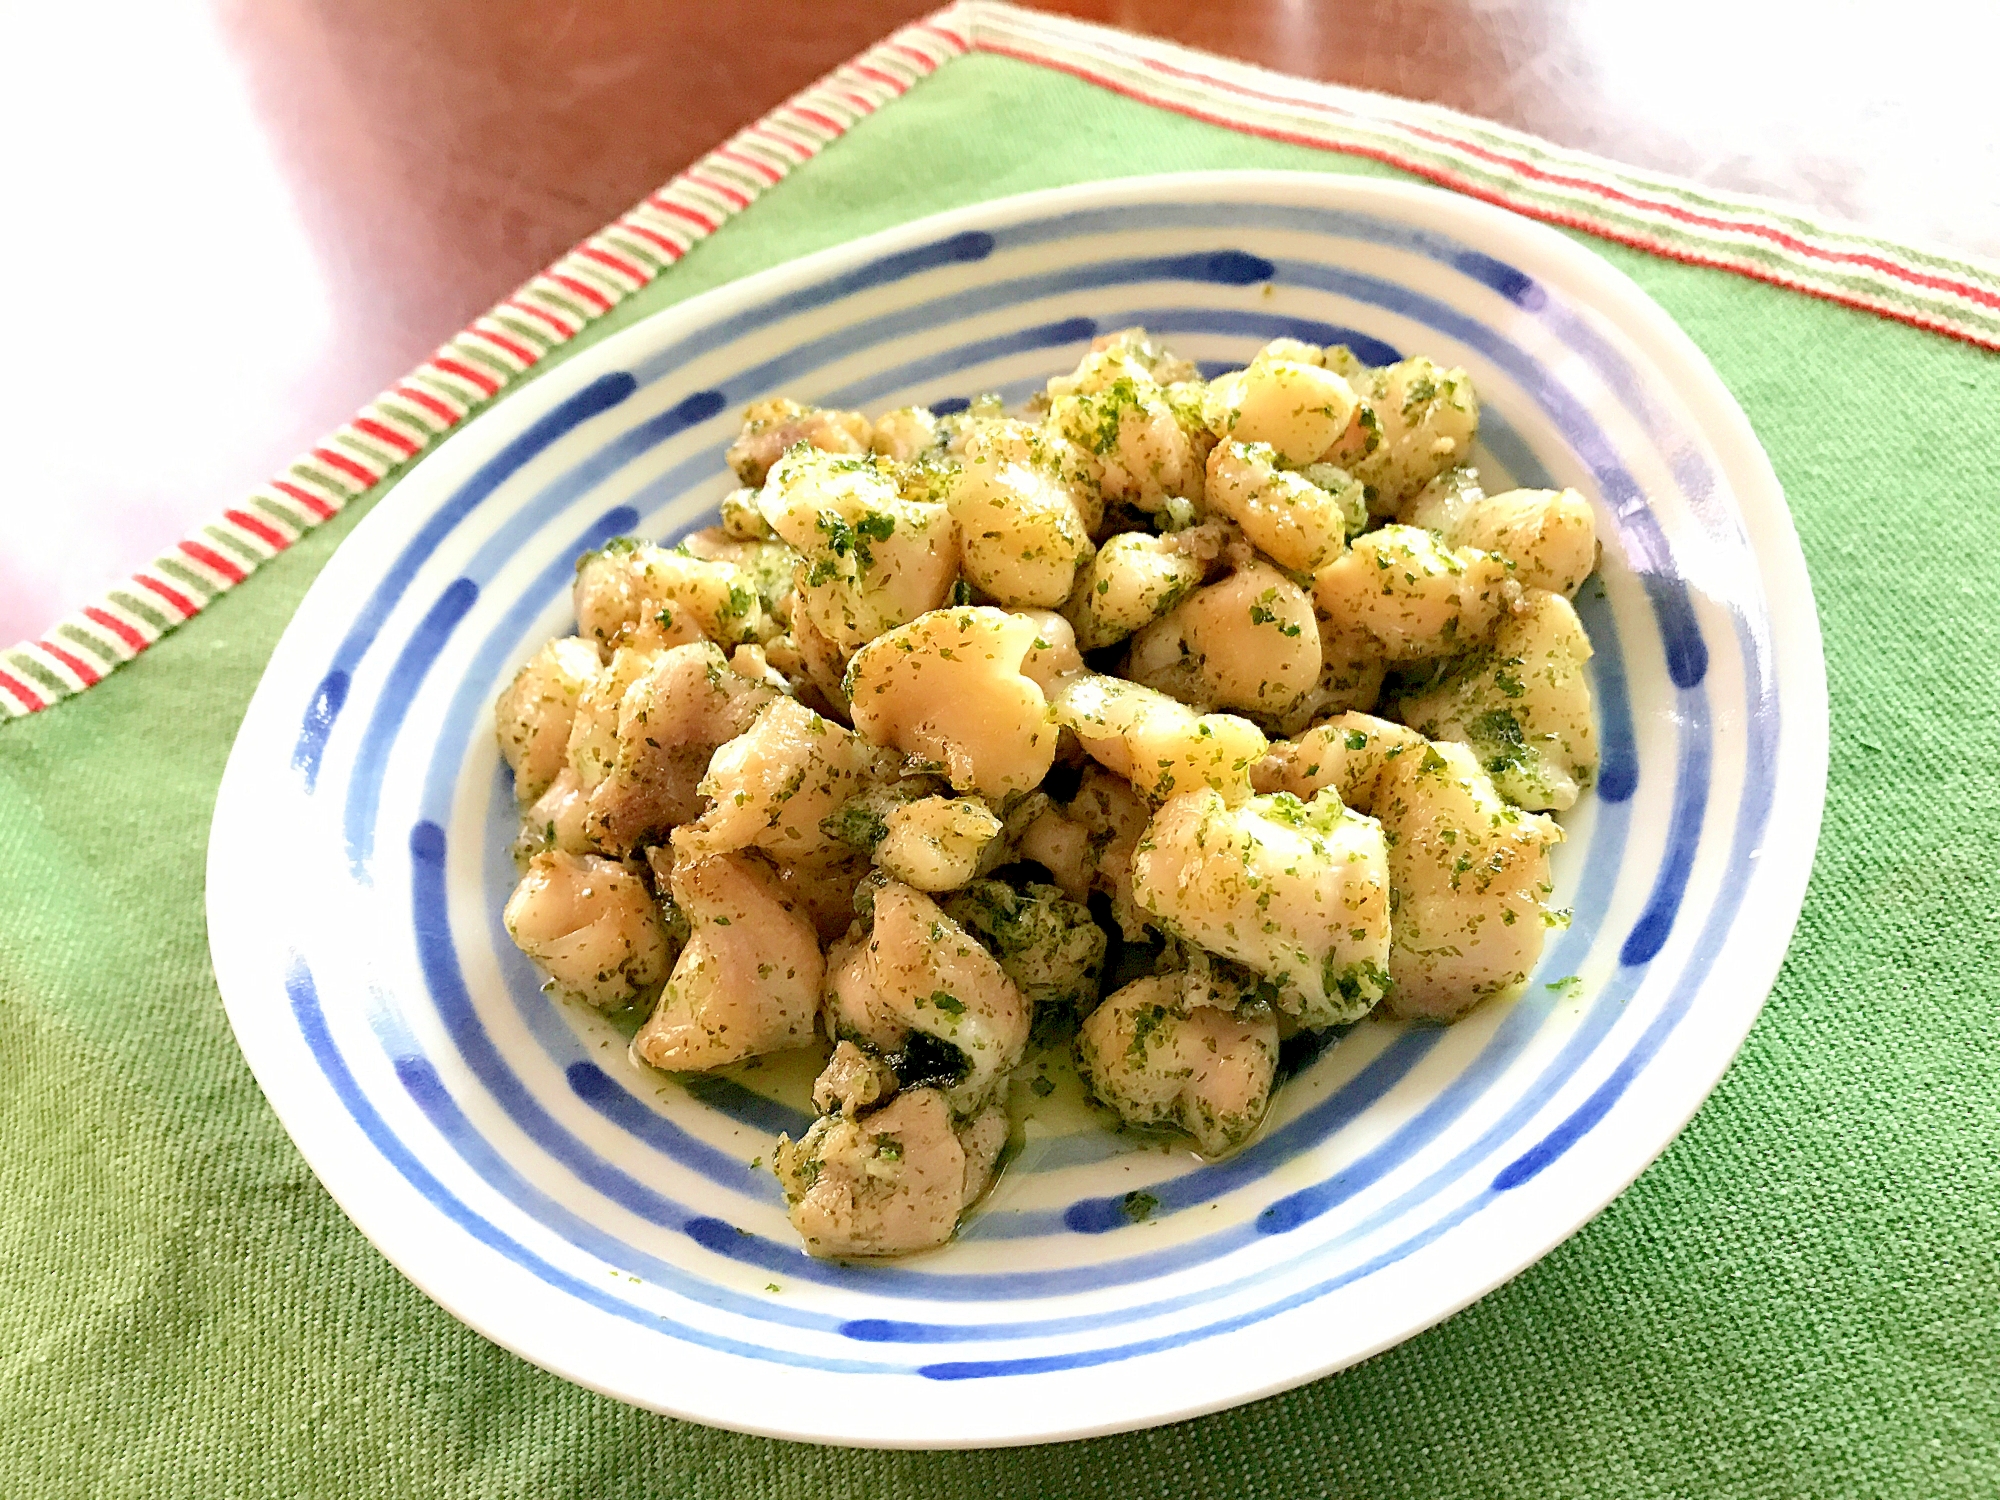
x=284 y=207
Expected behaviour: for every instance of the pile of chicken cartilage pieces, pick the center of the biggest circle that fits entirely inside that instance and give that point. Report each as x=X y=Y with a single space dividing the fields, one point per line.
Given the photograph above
x=1236 y=698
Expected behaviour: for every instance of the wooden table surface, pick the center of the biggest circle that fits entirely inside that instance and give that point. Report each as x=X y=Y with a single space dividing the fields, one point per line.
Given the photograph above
x=234 y=223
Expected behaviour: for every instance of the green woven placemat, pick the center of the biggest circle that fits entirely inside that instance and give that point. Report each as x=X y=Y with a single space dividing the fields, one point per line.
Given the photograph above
x=1798 y=1299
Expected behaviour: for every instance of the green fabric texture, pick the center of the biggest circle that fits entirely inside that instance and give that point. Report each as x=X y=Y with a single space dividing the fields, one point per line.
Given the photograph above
x=1802 y=1298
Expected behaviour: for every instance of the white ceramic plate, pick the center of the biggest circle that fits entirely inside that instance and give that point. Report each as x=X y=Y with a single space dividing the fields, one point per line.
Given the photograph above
x=618 y=1228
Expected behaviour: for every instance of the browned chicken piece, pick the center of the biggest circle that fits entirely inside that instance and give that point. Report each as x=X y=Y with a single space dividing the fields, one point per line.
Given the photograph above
x=916 y=970
x=747 y=982
x=771 y=785
x=1471 y=881
x=670 y=722
x=1413 y=596
x=1550 y=536
x=590 y=925
x=1087 y=843
x=852 y=1081
x=533 y=715
x=1249 y=643
x=1350 y=752
x=771 y=427
x=824 y=666
x=1157 y=1060
x=638 y=594
x=890 y=1182
x=822 y=887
